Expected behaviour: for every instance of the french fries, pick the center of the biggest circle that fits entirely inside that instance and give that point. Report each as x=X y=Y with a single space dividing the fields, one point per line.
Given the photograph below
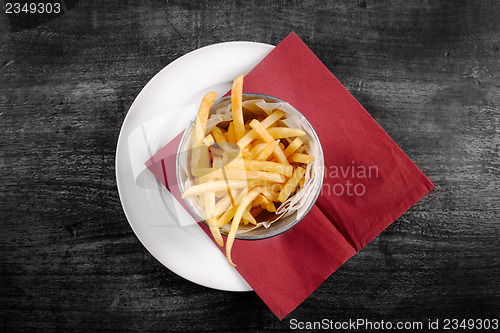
x=244 y=171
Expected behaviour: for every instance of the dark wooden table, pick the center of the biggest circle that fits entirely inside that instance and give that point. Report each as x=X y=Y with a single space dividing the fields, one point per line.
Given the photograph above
x=427 y=71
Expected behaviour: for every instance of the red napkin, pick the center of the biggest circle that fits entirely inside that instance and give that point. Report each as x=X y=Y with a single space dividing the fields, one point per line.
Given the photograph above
x=369 y=181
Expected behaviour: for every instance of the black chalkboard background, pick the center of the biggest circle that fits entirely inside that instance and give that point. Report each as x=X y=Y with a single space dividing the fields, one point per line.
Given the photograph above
x=427 y=71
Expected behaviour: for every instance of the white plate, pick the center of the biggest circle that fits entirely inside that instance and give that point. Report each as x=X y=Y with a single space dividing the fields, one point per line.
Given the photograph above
x=160 y=112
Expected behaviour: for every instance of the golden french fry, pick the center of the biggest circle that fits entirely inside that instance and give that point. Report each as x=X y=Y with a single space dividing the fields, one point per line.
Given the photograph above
x=198 y=172
x=201 y=120
x=209 y=199
x=204 y=159
x=231 y=135
x=228 y=147
x=204 y=109
x=291 y=184
x=268 y=166
x=236 y=221
x=301 y=158
x=280 y=156
x=236 y=107
x=270 y=207
x=243 y=220
x=199 y=154
x=195 y=151
x=271 y=119
x=222 y=205
x=260 y=200
x=238 y=173
x=259 y=182
x=264 y=154
x=263 y=175
x=285 y=132
x=257 y=149
x=226 y=217
x=264 y=202
x=261 y=131
x=218 y=135
x=214 y=229
x=292 y=147
x=215 y=186
x=231 y=199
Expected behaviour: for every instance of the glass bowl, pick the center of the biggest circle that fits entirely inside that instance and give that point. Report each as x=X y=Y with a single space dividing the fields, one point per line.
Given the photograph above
x=282 y=224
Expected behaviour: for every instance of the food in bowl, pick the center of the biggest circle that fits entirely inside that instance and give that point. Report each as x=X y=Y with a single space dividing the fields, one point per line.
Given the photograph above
x=245 y=168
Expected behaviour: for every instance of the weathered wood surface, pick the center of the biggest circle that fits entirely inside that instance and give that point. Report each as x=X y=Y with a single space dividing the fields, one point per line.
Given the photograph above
x=427 y=71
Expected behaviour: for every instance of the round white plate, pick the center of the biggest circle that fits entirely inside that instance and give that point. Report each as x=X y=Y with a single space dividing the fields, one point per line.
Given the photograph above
x=161 y=111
